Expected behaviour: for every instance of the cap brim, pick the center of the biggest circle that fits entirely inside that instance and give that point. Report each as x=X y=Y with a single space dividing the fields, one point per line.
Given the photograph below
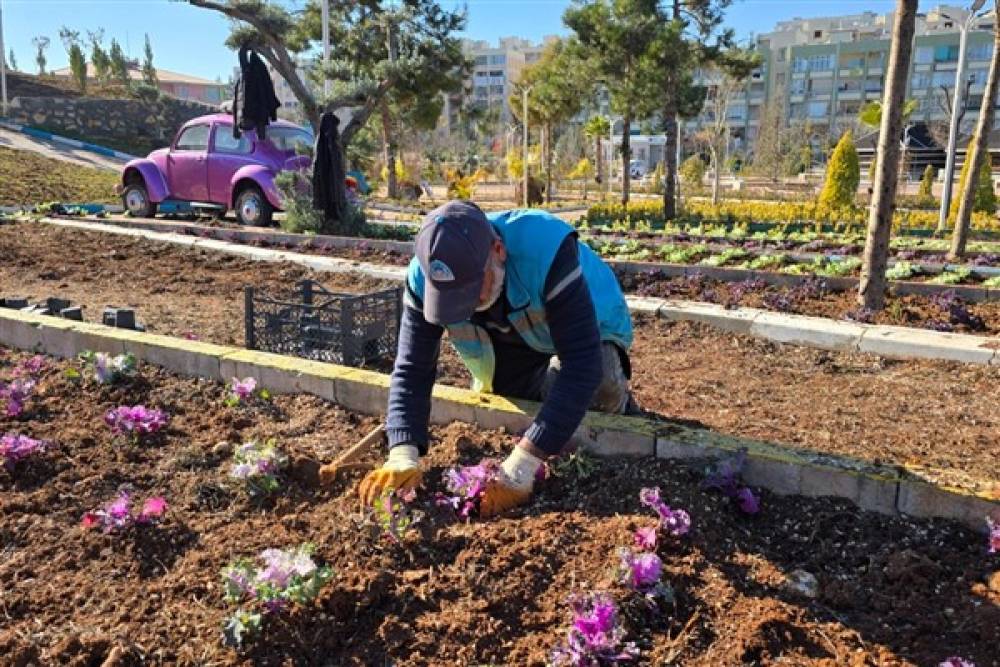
x=451 y=305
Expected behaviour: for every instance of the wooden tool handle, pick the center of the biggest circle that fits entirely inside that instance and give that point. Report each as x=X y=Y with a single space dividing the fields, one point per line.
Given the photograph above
x=356 y=450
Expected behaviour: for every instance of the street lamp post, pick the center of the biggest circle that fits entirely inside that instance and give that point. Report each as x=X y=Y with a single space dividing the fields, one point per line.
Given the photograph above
x=524 y=118
x=957 y=99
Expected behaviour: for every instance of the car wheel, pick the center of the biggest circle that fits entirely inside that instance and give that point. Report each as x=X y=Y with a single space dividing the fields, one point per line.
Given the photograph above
x=136 y=201
x=252 y=207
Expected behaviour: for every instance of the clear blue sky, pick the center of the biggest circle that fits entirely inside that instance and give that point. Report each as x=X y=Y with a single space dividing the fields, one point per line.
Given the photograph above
x=189 y=40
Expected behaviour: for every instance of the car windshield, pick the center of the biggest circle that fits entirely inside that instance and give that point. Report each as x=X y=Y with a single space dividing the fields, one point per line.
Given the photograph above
x=288 y=138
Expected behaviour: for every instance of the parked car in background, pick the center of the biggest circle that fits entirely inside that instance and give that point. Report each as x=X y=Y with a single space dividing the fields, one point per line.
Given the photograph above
x=205 y=165
x=637 y=169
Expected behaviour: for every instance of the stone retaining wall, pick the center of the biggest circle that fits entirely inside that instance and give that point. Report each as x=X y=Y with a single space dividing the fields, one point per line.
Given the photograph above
x=125 y=122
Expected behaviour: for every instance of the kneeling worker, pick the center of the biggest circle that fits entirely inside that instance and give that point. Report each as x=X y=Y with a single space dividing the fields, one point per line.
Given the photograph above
x=534 y=314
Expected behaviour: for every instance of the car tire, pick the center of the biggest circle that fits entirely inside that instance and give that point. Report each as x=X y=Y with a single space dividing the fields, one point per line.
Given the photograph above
x=135 y=199
x=252 y=208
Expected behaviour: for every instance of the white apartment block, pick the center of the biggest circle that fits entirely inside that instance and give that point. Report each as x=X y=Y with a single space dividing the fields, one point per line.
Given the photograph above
x=823 y=70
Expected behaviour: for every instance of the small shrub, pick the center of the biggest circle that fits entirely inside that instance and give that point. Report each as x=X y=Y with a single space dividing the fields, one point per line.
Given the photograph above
x=843 y=175
x=296 y=196
x=692 y=172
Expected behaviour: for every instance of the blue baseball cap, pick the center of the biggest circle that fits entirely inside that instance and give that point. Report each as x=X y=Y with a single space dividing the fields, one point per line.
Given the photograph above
x=453 y=246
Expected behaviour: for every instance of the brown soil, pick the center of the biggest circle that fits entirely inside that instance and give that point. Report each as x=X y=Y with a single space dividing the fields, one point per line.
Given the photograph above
x=890 y=592
x=908 y=311
x=175 y=290
x=940 y=414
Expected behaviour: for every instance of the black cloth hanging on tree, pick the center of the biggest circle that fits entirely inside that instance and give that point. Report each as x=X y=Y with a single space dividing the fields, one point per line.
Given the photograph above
x=328 y=175
x=254 y=102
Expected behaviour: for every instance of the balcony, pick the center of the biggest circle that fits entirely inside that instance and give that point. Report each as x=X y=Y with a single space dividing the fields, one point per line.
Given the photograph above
x=876 y=70
x=847 y=72
x=822 y=74
x=949 y=66
x=796 y=97
x=820 y=97
x=849 y=94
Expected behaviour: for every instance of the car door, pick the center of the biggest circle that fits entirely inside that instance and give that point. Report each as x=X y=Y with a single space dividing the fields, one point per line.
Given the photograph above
x=187 y=163
x=225 y=157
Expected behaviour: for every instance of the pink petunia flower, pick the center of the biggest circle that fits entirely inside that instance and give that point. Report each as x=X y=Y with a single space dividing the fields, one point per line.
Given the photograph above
x=645 y=538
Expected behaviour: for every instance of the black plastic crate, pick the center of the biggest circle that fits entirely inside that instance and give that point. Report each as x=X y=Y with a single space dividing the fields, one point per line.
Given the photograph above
x=315 y=323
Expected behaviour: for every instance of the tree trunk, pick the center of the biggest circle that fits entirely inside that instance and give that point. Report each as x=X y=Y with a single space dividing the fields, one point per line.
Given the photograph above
x=978 y=153
x=716 y=175
x=670 y=127
x=871 y=293
x=547 y=145
x=389 y=152
x=599 y=159
x=626 y=155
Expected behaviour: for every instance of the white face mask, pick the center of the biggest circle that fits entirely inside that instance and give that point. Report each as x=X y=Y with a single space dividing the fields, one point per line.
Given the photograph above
x=497 y=267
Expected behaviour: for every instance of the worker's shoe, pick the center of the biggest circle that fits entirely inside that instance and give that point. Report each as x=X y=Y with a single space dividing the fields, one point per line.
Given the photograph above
x=514 y=484
x=401 y=472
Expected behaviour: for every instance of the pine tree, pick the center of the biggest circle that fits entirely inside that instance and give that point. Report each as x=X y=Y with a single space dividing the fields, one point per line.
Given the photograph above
x=40 y=43
x=843 y=175
x=148 y=71
x=13 y=60
x=77 y=61
x=98 y=56
x=118 y=64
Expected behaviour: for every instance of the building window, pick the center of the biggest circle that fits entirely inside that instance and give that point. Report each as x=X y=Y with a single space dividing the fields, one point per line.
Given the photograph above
x=981 y=51
x=921 y=80
x=946 y=53
x=498 y=60
x=818 y=109
x=817 y=34
x=946 y=79
x=496 y=90
x=481 y=60
x=924 y=55
x=798 y=87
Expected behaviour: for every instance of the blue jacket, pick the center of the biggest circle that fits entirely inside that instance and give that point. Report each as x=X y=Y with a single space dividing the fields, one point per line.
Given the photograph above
x=532 y=238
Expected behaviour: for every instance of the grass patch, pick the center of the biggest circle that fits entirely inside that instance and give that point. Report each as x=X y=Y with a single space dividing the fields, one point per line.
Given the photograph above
x=32 y=179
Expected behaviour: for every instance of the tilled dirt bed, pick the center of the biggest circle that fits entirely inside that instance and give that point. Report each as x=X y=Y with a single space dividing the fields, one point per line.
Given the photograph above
x=938 y=414
x=888 y=591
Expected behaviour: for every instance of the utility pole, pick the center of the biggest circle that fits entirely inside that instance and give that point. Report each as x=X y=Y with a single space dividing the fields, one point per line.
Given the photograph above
x=524 y=117
x=3 y=66
x=326 y=45
x=956 y=101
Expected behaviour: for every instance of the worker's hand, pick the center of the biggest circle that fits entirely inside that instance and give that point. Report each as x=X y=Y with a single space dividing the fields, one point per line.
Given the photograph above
x=377 y=482
x=500 y=496
x=514 y=484
x=400 y=472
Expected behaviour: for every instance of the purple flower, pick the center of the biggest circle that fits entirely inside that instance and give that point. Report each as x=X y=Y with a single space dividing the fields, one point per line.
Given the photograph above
x=645 y=538
x=16 y=394
x=957 y=662
x=747 y=501
x=725 y=474
x=595 y=637
x=243 y=389
x=994 y=527
x=640 y=571
x=118 y=515
x=676 y=522
x=467 y=484
x=32 y=366
x=14 y=448
x=135 y=420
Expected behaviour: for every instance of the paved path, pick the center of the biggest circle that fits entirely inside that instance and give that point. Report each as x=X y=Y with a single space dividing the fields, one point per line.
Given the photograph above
x=56 y=151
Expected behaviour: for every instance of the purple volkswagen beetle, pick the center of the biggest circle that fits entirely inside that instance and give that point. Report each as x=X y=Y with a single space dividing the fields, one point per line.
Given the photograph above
x=207 y=166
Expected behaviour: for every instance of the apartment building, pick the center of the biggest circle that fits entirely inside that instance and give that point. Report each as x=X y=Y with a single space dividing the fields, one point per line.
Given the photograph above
x=824 y=70
x=495 y=70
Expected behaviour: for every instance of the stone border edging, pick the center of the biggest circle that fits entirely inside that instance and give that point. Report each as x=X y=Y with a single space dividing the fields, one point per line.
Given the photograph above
x=886 y=489
x=818 y=332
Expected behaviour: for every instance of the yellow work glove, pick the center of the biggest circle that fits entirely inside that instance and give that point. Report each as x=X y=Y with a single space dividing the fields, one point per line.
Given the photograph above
x=513 y=486
x=400 y=471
